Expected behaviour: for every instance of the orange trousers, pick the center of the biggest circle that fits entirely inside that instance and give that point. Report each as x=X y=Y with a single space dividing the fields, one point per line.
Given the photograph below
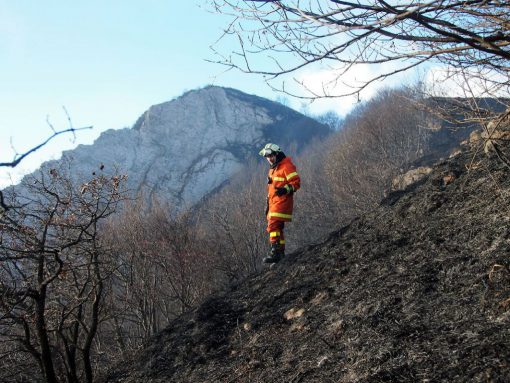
x=275 y=230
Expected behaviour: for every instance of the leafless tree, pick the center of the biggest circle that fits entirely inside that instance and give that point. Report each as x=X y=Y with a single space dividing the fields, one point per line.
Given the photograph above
x=234 y=223
x=350 y=172
x=52 y=273
x=331 y=119
x=472 y=37
x=161 y=272
x=384 y=137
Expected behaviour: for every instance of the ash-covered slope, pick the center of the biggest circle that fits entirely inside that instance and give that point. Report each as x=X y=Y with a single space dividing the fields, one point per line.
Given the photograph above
x=416 y=291
x=183 y=149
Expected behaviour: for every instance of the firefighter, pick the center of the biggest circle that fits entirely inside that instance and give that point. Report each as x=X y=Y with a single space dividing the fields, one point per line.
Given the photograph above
x=282 y=182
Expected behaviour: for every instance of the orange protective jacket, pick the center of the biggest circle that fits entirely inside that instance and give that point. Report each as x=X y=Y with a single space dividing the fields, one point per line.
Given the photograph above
x=284 y=175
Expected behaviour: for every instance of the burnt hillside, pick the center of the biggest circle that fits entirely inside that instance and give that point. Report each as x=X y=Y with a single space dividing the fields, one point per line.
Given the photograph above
x=416 y=291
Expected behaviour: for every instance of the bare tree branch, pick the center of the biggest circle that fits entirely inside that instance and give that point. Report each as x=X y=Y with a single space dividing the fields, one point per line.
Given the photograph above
x=22 y=156
x=297 y=34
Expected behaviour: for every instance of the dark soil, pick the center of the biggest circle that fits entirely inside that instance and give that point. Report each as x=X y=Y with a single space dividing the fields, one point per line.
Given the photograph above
x=416 y=291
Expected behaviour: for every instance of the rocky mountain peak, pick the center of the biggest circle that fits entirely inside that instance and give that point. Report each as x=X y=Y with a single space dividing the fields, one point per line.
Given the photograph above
x=183 y=149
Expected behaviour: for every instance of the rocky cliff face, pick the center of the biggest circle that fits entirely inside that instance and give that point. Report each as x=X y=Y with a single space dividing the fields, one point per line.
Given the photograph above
x=416 y=291
x=183 y=149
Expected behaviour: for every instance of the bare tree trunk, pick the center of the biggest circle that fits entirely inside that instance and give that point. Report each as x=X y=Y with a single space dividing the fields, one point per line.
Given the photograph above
x=42 y=334
x=94 y=321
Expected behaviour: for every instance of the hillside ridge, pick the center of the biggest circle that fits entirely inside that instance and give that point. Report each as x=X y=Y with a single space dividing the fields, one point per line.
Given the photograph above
x=417 y=290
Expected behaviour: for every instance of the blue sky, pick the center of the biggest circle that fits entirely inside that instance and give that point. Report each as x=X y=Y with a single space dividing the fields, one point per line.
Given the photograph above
x=106 y=62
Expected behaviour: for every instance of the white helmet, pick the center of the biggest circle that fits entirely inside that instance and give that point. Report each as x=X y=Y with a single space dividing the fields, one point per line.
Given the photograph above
x=270 y=149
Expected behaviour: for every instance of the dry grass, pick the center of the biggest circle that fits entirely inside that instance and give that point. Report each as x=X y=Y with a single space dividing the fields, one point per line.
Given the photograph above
x=418 y=290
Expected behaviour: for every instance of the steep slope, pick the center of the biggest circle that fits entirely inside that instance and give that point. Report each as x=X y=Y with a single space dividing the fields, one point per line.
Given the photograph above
x=183 y=149
x=416 y=291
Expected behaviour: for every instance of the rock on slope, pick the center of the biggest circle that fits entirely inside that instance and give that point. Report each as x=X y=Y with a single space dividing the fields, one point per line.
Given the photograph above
x=416 y=291
x=183 y=149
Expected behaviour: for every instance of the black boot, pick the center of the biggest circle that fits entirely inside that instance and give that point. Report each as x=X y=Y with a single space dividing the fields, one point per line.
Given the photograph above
x=276 y=254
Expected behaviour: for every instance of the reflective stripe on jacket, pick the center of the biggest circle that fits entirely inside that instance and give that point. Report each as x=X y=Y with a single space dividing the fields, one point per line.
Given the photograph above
x=285 y=175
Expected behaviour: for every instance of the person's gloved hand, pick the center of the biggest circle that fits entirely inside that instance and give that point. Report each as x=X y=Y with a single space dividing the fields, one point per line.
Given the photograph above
x=281 y=191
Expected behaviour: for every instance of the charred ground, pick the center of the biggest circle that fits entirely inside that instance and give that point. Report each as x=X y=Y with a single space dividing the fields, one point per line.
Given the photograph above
x=416 y=291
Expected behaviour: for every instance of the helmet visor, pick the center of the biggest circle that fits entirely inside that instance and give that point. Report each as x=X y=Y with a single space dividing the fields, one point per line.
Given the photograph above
x=266 y=152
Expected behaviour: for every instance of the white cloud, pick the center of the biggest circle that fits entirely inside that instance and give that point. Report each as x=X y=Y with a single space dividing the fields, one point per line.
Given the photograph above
x=439 y=81
x=334 y=82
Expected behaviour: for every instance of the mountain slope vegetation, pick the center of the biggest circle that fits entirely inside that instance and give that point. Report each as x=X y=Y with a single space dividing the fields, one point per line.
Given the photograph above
x=156 y=262
x=416 y=290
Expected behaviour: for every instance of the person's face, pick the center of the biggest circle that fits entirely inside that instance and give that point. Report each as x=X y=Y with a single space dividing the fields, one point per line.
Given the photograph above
x=271 y=158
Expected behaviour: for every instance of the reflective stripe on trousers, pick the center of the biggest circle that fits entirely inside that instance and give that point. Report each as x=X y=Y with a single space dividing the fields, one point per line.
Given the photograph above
x=275 y=230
